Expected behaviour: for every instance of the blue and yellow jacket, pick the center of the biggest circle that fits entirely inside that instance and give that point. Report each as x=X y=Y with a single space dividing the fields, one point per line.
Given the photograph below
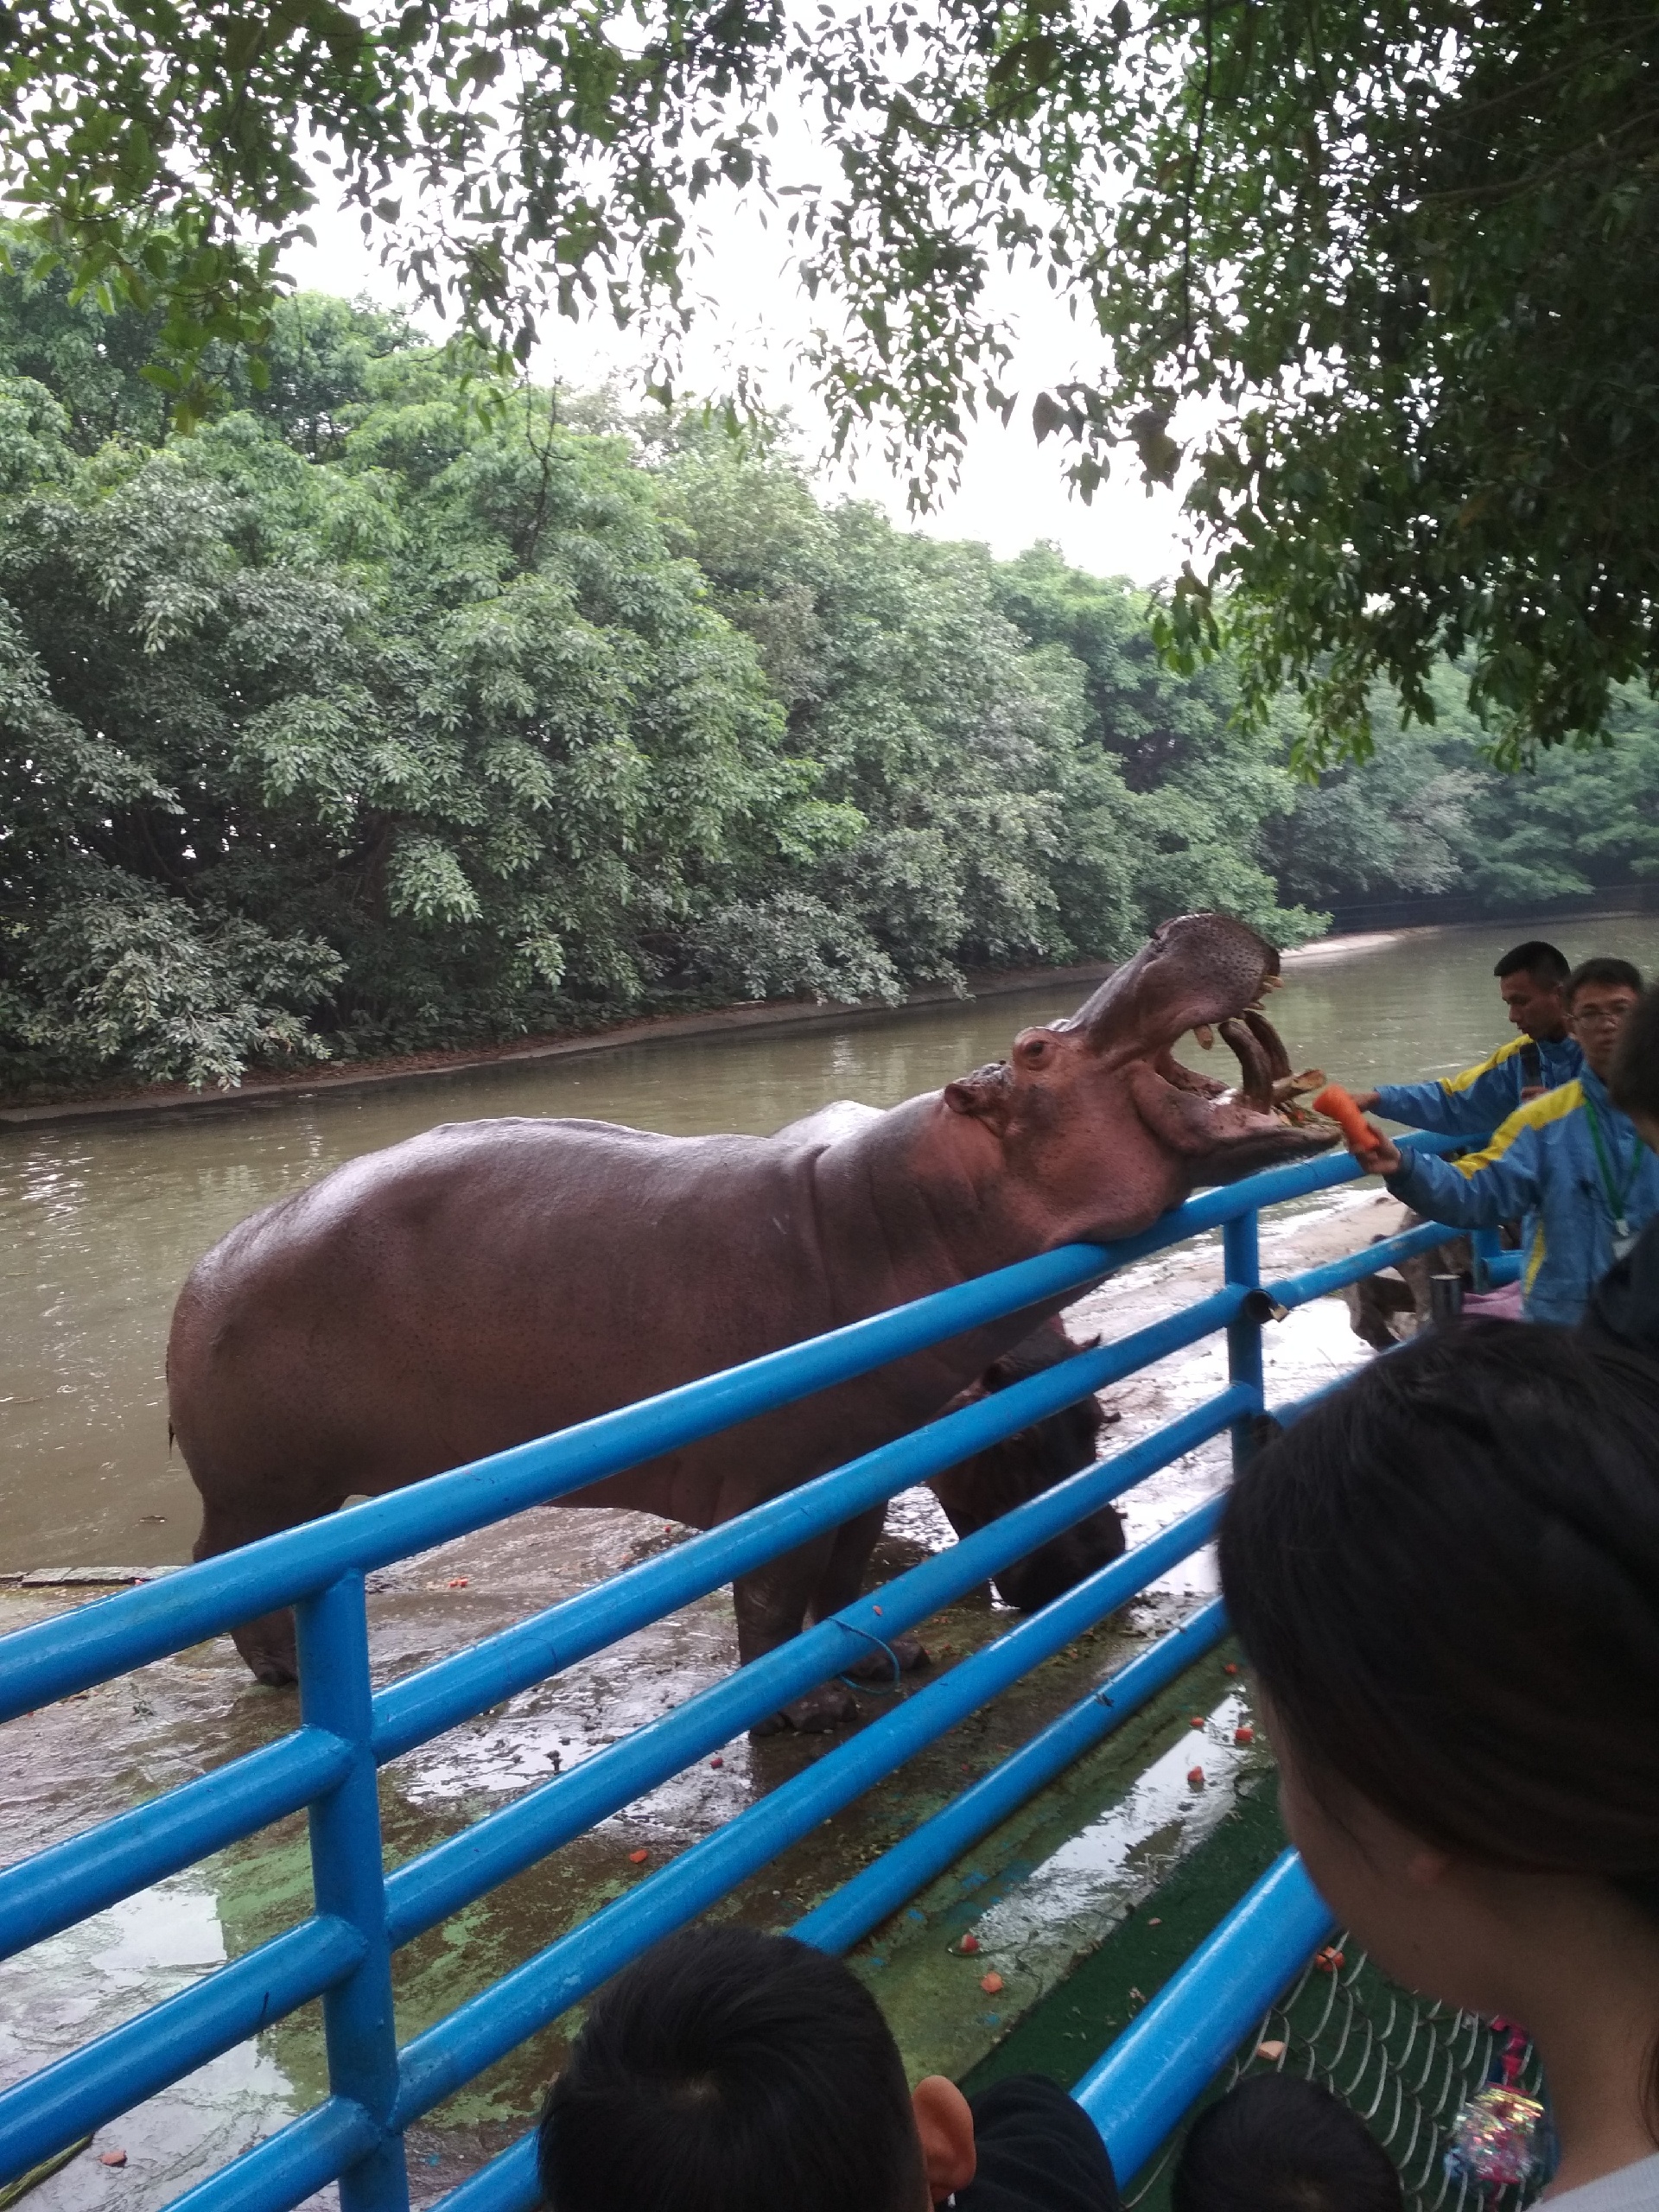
x=1542 y=1164
x=1471 y=1104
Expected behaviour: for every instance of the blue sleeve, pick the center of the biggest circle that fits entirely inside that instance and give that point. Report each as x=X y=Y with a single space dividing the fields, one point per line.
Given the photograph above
x=1468 y=1105
x=1481 y=1190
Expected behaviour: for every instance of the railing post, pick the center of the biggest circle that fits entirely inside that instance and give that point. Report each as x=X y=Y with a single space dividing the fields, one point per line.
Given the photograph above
x=1241 y=1255
x=348 y=1875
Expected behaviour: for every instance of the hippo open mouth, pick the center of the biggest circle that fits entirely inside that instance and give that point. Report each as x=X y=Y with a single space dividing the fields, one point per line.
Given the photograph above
x=1237 y=1128
x=1206 y=975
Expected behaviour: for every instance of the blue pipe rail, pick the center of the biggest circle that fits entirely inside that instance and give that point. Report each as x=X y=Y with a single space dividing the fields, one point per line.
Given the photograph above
x=1172 y=2051
x=328 y=1764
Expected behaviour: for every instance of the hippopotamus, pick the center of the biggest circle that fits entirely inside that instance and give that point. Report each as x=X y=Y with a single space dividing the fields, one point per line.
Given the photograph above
x=1033 y=1459
x=1375 y=1301
x=491 y=1282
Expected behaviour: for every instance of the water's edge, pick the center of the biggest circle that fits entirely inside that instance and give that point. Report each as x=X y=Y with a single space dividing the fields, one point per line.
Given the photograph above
x=744 y=1019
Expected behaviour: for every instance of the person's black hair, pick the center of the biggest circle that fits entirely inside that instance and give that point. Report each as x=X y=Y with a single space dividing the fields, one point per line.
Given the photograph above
x=1276 y=2143
x=1603 y=968
x=1635 y=1079
x=1537 y=957
x=1447 y=1577
x=730 y=2071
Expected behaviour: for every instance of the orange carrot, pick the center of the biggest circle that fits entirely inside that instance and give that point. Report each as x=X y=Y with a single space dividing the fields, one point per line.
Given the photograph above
x=1337 y=1106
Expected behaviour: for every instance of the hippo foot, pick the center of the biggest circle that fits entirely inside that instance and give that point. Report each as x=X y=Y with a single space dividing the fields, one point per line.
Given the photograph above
x=821 y=1709
x=274 y=1673
x=876 y=1667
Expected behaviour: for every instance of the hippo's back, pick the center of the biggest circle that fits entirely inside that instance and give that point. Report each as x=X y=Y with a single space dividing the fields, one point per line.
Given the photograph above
x=474 y=1286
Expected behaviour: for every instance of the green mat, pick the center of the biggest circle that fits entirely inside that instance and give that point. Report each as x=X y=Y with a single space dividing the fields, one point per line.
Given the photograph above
x=1402 y=2063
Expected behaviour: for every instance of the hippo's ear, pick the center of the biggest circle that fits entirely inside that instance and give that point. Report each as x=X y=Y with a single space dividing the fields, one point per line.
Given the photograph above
x=986 y=1094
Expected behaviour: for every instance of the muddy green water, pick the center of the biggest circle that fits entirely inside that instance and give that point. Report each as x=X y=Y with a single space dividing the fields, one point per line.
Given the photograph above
x=100 y=1222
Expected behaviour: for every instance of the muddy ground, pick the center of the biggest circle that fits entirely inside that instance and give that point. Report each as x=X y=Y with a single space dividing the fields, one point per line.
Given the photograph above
x=1040 y=1893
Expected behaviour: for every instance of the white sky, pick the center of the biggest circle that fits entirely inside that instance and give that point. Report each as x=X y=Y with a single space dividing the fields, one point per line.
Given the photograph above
x=1012 y=491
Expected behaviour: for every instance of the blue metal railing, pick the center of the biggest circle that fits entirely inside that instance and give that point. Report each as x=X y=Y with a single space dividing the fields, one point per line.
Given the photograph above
x=342 y=1953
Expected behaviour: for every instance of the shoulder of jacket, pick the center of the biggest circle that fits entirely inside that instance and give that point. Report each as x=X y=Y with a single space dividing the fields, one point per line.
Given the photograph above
x=1530 y=1120
x=1466 y=1077
x=1554 y=1105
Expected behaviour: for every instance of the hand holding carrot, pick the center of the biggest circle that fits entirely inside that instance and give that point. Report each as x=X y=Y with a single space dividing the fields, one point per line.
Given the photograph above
x=1375 y=1153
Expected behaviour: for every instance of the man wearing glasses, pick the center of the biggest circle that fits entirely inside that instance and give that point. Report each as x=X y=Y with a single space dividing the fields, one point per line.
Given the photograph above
x=1571 y=1163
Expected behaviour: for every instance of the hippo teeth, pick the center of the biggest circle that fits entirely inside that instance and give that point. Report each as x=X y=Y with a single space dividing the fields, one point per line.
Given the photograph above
x=1256 y=1087
x=1205 y=1035
x=1269 y=1038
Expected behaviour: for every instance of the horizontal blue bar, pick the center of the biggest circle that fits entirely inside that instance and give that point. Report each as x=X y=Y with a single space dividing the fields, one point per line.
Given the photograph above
x=453 y=1873
x=46 y=2111
x=898 y=1874
x=1334 y=1274
x=508 y=2183
x=288 y=2166
x=89 y=1872
x=1170 y=2053
x=424 y=1705
x=1123 y=2109
x=485 y=2029
x=105 y=1863
x=54 y=1658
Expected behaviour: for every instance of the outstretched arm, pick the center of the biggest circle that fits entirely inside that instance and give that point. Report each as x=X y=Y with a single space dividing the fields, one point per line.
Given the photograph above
x=1470 y=1104
x=1477 y=1191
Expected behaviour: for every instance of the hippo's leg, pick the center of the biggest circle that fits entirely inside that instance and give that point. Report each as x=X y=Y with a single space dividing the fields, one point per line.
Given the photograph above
x=772 y=1606
x=841 y=1581
x=267 y=1642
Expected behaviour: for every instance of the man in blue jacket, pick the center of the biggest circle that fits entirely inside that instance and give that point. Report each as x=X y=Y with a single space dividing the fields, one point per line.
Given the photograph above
x=1570 y=1161
x=1531 y=979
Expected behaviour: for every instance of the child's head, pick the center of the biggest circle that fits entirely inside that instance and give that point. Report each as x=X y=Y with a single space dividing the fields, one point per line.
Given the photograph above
x=1278 y=2144
x=729 y=2071
x=1446 y=1578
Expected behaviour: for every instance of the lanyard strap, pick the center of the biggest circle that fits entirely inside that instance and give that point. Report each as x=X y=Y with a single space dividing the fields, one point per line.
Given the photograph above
x=1617 y=1199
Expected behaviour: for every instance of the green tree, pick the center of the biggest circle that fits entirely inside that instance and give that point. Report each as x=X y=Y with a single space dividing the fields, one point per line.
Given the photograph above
x=1374 y=279
x=1425 y=813
x=394 y=708
x=1378 y=277
x=1175 y=808
x=940 y=739
x=453 y=754
x=313 y=366
x=1034 y=783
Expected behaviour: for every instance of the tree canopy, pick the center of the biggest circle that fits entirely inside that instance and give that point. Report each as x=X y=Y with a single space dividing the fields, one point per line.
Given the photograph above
x=1372 y=281
x=368 y=719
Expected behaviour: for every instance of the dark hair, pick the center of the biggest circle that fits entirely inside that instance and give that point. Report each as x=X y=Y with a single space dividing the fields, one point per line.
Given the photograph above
x=1447 y=1577
x=729 y=2071
x=1537 y=958
x=1276 y=2143
x=1635 y=1079
x=1602 y=970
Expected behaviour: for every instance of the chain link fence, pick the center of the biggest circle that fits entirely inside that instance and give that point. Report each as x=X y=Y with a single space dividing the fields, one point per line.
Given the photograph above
x=1402 y=2064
